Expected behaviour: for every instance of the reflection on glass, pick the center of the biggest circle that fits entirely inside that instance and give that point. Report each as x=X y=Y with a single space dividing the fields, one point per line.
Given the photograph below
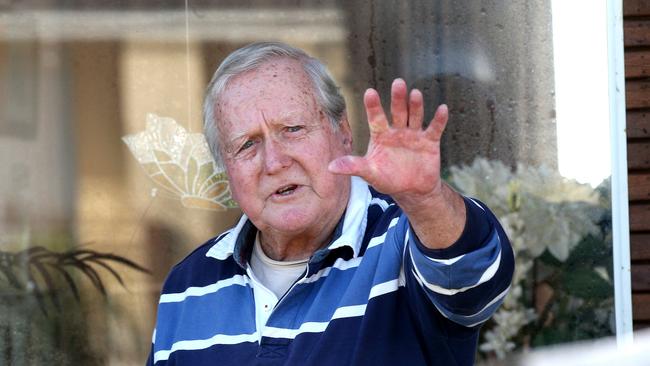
x=76 y=79
x=181 y=164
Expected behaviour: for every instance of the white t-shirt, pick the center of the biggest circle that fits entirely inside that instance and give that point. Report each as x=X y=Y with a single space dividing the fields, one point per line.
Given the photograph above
x=276 y=277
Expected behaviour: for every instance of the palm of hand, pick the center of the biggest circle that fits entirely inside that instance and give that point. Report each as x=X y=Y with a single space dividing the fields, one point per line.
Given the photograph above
x=402 y=159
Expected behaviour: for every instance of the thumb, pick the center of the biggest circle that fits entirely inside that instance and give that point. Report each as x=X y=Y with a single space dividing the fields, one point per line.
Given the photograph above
x=349 y=165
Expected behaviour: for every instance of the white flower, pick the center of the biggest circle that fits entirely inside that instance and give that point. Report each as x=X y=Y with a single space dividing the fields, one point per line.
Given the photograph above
x=485 y=180
x=539 y=210
x=508 y=324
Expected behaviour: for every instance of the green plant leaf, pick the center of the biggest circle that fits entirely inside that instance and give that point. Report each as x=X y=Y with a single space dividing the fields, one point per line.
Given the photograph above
x=585 y=283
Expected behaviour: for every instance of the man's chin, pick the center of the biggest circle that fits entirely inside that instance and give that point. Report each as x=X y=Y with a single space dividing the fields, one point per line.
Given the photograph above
x=293 y=219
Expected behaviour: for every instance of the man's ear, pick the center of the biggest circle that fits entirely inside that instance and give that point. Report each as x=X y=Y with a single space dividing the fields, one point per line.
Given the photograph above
x=346 y=132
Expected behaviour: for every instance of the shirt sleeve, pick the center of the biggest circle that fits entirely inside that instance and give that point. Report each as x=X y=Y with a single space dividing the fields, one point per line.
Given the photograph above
x=467 y=281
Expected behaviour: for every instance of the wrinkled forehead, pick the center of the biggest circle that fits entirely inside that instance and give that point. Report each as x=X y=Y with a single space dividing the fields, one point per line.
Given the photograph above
x=278 y=86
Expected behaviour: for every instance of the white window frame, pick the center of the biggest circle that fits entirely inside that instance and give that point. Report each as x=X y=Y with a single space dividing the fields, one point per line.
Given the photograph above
x=620 y=209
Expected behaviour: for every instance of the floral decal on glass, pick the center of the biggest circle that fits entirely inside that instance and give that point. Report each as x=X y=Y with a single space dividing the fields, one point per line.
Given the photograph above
x=180 y=163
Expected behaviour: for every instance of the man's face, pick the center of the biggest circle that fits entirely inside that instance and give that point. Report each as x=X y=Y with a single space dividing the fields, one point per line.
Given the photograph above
x=276 y=145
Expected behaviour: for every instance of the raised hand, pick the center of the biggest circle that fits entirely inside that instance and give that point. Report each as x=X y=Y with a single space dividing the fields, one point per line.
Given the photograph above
x=403 y=160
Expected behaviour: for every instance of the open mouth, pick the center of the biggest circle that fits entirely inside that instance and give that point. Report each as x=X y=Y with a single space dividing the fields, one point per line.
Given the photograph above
x=286 y=190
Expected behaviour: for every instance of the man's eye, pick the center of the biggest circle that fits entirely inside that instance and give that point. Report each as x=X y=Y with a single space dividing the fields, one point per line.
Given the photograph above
x=246 y=145
x=294 y=128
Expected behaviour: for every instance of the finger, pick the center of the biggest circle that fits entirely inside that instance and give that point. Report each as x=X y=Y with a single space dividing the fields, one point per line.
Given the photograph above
x=398 y=107
x=349 y=165
x=416 y=109
x=376 y=118
x=438 y=123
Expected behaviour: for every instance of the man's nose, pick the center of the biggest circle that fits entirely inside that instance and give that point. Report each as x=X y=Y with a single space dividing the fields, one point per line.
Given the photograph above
x=275 y=157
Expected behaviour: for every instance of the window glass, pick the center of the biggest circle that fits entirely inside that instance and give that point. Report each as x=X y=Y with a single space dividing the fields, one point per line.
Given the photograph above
x=106 y=183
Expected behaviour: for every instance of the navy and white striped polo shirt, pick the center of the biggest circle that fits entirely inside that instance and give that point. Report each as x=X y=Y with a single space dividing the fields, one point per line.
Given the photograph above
x=375 y=296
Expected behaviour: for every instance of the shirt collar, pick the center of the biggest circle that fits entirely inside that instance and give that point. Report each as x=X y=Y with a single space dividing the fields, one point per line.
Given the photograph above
x=224 y=244
x=348 y=233
x=355 y=218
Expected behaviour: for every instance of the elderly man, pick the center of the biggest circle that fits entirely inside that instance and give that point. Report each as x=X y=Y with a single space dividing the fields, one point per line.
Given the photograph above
x=338 y=259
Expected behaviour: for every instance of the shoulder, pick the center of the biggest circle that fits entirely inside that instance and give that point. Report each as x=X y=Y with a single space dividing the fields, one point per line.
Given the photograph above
x=199 y=269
